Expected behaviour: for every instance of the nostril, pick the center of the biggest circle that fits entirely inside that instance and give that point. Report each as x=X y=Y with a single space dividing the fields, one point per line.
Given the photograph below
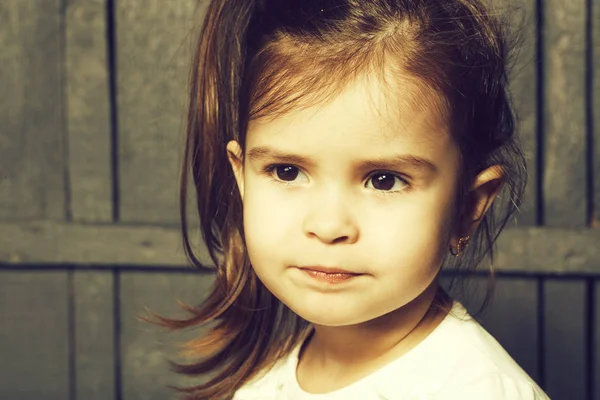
x=341 y=239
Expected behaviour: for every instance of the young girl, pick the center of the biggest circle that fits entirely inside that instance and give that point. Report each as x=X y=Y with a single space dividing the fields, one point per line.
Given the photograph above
x=343 y=151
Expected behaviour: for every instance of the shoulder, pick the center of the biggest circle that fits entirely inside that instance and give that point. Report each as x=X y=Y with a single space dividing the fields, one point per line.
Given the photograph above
x=479 y=353
x=494 y=386
x=461 y=360
x=482 y=367
x=268 y=384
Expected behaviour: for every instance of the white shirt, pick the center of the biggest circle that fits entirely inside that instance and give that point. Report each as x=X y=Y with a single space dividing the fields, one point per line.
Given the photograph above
x=458 y=360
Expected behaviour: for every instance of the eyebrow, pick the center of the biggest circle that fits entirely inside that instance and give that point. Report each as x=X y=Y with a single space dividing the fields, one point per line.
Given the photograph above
x=262 y=153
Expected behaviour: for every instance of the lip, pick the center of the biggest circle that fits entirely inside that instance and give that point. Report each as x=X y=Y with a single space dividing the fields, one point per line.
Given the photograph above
x=329 y=270
x=329 y=275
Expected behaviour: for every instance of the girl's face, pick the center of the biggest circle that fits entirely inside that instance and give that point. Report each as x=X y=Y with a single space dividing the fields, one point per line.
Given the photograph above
x=365 y=184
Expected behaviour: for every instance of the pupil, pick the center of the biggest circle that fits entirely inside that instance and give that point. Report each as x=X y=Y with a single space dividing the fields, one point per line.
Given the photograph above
x=287 y=173
x=383 y=182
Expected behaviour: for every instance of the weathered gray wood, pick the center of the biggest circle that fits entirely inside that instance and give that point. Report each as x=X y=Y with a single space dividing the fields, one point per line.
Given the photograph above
x=52 y=243
x=512 y=320
x=154 y=41
x=31 y=112
x=564 y=332
x=34 y=337
x=468 y=289
x=94 y=335
x=523 y=88
x=595 y=106
x=511 y=316
x=548 y=250
x=88 y=116
x=540 y=250
x=145 y=348
x=596 y=340
x=565 y=179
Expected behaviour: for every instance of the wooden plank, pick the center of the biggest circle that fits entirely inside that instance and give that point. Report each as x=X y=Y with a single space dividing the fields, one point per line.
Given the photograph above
x=512 y=320
x=94 y=335
x=595 y=106
x=468 y=289
x=523 y=88
x=511 y=317
x=145 y=347
x=88 y=111
x=52 y=243
x=31 y=132
x=34 y=336
x=153 y=57
x=565 y=314
x=549 y=250
x=565 y=179
x=527 y=250
x=596 y=343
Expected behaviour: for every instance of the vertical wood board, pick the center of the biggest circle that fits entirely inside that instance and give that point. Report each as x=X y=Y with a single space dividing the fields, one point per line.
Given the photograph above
x=595 y=107
x=596 y=342
x=146 y=348
x=34 y=335
x=94 y=335
x=565 y=314
x=154 y=42
x=88 y=117
x=565 y=177
x=31 y=112
x=523 y=88
x=512 y=320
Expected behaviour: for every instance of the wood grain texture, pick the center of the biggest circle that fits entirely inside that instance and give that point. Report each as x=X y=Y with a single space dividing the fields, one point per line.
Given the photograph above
x=564 y=346
x=94 y=335
x=154 y=40
x=565 y=176
x=34 y=335
x=88 y=116
x=31 y=113
x=108 y=245
x=530 y=250
x=512 y=320
x=548 y=250
x=144 y=347
x=595 y=107
x=523 y=88
x=596 y=343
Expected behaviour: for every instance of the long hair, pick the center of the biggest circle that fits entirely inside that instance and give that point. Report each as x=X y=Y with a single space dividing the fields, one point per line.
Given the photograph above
x=261 y=58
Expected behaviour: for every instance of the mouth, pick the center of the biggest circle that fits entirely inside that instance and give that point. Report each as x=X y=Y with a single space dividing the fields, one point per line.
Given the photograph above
x=329 y=275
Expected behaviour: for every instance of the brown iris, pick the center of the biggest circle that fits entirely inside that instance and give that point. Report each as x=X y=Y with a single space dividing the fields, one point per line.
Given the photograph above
x=383 y=181
x=287 y=172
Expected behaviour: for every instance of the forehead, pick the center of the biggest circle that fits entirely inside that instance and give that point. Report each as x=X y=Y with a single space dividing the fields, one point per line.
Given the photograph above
x=370 y=110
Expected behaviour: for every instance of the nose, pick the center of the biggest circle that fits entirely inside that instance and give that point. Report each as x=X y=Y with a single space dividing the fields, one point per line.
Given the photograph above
x=330 y=219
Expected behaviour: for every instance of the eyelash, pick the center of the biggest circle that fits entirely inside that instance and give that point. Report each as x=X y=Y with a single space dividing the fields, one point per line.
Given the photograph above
x=269 y=169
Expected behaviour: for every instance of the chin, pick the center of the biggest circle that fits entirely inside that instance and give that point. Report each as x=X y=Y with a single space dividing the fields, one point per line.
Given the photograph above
x=329 y=316
x=323 y=320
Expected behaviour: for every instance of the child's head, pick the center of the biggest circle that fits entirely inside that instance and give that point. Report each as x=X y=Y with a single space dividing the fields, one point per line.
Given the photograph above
x=369 y=136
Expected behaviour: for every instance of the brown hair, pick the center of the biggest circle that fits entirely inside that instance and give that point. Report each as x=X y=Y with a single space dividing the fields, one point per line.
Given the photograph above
x=261 y=58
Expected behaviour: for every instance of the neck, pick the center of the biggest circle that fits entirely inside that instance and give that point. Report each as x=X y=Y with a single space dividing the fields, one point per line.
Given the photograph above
x=375 y=341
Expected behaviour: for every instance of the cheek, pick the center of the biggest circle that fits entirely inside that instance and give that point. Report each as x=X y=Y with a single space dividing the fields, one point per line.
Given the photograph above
x=267 y=222
x=416 y=233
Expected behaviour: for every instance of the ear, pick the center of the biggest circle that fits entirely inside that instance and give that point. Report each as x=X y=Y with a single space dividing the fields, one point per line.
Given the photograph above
x=484 y=190
x=234 y=154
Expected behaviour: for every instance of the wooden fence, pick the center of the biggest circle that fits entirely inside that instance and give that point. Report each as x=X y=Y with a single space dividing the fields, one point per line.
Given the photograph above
x=91 y=128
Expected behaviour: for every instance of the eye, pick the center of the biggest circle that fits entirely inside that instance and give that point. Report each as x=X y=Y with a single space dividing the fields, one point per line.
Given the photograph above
x=283 y=172
x=387 y=182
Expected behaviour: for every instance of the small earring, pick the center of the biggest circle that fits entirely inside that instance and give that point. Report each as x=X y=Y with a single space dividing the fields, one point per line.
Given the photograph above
x=462 y=243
